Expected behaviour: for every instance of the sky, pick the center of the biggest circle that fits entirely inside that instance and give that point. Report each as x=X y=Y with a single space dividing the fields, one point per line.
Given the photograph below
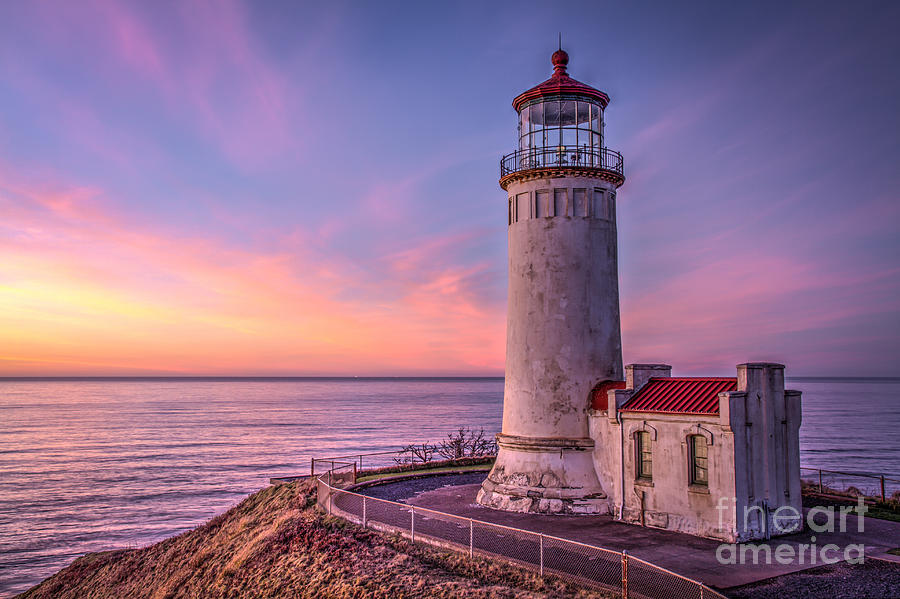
x=299 y=188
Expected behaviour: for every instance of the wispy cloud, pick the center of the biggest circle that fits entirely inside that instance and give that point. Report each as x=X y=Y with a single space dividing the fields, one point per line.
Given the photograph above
x=214 y=79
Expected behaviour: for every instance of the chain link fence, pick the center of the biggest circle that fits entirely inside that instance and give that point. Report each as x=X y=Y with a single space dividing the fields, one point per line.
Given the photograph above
x=573 y=561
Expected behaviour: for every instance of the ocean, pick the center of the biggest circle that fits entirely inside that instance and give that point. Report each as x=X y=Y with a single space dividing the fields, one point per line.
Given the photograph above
x=91 y=465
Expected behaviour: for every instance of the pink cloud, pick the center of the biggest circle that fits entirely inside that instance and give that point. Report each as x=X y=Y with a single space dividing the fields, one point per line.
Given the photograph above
x=742 y=305
x=149 y=301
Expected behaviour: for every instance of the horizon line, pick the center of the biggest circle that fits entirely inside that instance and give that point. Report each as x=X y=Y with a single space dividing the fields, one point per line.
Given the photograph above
x=27 y=378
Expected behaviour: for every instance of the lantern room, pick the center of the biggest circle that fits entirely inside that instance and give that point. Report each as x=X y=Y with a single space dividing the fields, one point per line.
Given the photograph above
x=561 y=121
x=561 y=125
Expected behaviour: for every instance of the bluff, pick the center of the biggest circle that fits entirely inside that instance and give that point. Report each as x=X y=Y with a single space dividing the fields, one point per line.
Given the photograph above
x=276 y=543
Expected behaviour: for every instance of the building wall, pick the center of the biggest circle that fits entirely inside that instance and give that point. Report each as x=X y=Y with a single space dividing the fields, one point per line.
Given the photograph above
x=608 y=447
x=753 y=459
x=668 y=501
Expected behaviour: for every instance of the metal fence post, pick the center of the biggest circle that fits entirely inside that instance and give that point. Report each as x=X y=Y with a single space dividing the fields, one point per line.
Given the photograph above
x=701 y=589
x=471 y=538
x=364 y=511
x=412 y=524
x=354 y=473
x=624 y=574
x=541 y=541
x=882 y=489
x=820 y=481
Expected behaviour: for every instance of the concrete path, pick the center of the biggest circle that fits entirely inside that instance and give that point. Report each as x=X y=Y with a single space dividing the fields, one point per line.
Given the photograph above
x=687 y=555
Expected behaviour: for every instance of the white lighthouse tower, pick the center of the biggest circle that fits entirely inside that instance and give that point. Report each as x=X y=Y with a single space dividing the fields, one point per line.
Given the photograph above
x=563 y=335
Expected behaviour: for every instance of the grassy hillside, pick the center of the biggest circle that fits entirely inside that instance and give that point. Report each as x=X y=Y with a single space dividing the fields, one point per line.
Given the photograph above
x=277 y=544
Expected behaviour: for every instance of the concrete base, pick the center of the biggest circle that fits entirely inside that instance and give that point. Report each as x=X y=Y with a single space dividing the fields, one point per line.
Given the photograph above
x=544 y=476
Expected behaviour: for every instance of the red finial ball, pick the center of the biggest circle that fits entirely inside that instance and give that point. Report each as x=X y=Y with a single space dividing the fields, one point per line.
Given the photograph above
x=560 y=59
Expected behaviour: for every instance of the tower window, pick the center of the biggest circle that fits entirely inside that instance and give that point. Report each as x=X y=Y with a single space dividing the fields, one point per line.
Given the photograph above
x=523 y=209
x=600 y=205
x=560 y=201
x=542 y=203
x=699 y=460
x=643 y=455
x=580 y=196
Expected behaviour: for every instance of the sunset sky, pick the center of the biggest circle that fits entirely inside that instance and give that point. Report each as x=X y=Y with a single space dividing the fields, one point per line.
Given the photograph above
x=304 y=188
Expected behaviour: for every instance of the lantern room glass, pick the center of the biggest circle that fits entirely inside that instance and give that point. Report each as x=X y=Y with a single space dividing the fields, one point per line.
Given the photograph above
x=556 y=123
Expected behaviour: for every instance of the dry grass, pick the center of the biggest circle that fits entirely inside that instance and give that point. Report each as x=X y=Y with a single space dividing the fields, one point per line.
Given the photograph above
x=277 y=544
x=410 y=467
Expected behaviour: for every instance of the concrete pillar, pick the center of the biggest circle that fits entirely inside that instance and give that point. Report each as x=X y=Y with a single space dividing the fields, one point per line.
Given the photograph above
x=764 y=384
x=637 y=375
x=793 y=416
x=617 y=399
x=771 y=448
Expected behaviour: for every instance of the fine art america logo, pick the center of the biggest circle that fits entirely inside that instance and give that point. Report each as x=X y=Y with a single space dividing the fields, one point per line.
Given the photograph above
x=786 y=520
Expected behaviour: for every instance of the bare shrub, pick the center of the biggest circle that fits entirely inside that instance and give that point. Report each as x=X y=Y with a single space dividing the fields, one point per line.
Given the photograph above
x=415 y=453
x=465 y=443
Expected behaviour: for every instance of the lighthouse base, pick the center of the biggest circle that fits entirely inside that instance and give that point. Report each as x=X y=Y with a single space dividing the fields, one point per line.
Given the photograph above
x=544 y=476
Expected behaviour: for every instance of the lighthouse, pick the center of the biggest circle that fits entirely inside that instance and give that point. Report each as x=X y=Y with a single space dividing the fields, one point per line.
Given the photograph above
x=563 y=336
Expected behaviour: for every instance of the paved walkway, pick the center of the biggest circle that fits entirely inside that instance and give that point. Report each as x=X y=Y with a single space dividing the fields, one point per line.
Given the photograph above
x=688 y=555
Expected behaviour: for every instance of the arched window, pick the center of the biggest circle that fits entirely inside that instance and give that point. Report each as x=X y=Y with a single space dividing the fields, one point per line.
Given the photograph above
x=643 y=456
x=698 y=458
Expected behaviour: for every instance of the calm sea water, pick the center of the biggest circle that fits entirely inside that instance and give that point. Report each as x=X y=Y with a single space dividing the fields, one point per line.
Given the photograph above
x=94 y=465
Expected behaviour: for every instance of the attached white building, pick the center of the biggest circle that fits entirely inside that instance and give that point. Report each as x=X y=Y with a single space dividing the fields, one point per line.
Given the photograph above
x=710 y=456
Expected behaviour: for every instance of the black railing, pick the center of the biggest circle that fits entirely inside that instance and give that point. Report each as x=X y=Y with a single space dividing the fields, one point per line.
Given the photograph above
x=561 y=156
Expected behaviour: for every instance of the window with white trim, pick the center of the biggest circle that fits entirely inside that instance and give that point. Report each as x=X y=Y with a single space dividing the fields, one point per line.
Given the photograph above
x=643 y=456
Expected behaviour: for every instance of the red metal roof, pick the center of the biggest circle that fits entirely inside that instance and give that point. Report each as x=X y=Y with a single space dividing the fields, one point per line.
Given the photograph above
x=560 y=83
x=599 y=398
x=682 y=395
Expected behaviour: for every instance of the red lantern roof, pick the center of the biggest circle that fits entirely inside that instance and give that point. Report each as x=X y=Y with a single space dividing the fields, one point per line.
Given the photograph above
x=683 y=395
x=560 y=83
